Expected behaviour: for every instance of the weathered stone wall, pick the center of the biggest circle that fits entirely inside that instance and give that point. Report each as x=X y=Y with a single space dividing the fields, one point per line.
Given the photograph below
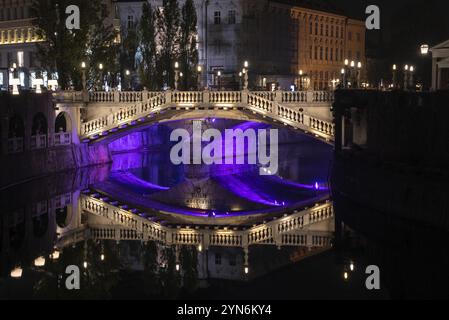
x=16 y=168
x=29 y=164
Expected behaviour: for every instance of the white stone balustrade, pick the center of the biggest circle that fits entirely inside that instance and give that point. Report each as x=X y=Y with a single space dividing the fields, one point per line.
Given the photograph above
x=282 y=106
x=38 y=142
x=276 y=232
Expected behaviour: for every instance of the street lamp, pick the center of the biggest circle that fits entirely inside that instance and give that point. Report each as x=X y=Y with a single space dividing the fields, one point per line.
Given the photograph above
x=199 y=70
x=301 y=80
x=127 y=79
x=100 y=67
x=83 y=69
x=394 y=75
x=176 y=74
x=38 y=83
x=411 y=78
x=219 y=79
x=343 y=77
x=359 y=73
x=406 y=76
x=425 y=49
x=246 y=76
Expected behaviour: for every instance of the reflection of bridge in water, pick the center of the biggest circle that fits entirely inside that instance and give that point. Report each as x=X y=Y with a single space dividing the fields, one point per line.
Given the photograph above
x=109 y=113
x=71 y=219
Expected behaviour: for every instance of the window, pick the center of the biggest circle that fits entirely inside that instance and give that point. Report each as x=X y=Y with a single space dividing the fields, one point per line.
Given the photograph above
x=321 y=29
x=321 y=53
x=217 y=17
x=359 y=38
x=327 y=30
x=332 y=31
x=311 y=53
x=358 y=55
x=218 y=259
x=332 y=54
x=232 y=261
x=350 y=36
x=20 y=60
x=311 y=28
x=232 y=17
x=349 y=54
x=130 y=22
x=316 y=53
x=316 y=28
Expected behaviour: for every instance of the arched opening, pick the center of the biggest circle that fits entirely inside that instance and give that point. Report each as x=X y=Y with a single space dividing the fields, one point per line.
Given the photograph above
x=63 y=128
x=16 y=229
x=62 y=217
x=16 y=134
x=39 y=132
x=40 y=225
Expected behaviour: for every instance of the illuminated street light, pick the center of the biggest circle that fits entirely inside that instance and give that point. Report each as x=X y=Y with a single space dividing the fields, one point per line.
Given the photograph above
x=55 y=255
x=53 y=84
x=176 y=75
x=39 y=262
x=38 y=83
x=395 y=76
x=425 y=49
x=16 y=273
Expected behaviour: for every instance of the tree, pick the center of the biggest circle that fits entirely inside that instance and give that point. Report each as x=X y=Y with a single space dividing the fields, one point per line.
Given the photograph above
x=128 y=52
x=188 y=45
x=63 y=50
x=147 y=37
x=102 y=47
x=168 y=23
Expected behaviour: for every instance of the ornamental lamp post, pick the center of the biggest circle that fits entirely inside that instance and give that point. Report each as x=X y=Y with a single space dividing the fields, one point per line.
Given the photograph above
x=353 y=73
x=199 y=70
x=219 y=79
x=100 y=67
x=359 y=73
x=176 y=75
x=343 y=77
x=84 y=80
x=246 y=75
x=406 y=76
x=127 y=79
x=301 y=80
x=395 y=75
x=411 y=78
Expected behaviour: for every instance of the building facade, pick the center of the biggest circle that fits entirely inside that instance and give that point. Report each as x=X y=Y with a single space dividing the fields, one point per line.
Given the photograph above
x=440 y=66
x=18 y=40
x=278 y=39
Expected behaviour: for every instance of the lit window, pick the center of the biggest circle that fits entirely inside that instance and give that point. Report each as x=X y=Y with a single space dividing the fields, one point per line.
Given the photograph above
x=20 y=60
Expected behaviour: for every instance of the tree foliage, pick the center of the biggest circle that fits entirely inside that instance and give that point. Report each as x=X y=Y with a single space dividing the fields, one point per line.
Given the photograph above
x=63 y=50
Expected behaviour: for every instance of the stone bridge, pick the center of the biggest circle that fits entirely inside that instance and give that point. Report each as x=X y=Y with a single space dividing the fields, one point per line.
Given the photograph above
x=109 y=114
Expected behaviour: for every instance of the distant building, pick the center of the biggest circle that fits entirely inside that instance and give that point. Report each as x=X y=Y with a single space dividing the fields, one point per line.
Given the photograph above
x=440 y=66
x=278 y=38
x=18 y=38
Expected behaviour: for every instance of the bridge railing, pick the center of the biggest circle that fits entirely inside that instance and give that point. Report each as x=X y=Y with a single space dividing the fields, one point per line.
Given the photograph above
x=267 y=233
x=280 y=105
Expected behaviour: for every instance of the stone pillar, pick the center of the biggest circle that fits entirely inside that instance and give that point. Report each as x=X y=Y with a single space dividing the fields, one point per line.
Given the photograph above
x=434 y=74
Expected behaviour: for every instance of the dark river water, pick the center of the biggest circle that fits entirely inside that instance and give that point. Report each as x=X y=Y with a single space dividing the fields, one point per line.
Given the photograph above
x=43 y=229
